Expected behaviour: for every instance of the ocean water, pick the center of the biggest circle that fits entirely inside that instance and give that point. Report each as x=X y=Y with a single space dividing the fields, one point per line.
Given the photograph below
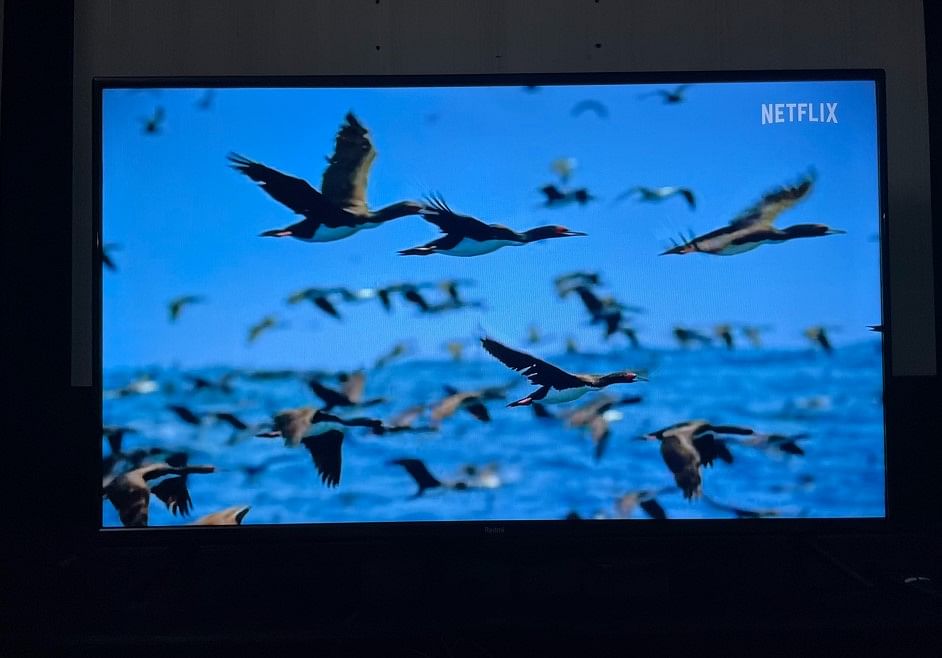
x=547 y=470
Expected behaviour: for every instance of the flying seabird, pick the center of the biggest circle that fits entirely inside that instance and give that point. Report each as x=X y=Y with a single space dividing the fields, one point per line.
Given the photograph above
x=656 y=194
x=754 y=226
x=351 y=394
x=596 y=416
x=603 y=309
x=228 y=516
x=176 y=306
x=563 y=167
x=686 y=336
x=555 y=384
x=590 y=105
x=185 y=414
x=646 y=499
x=470 y=401
x=339 y=210
x=556 y=197
x=466 y=236
x=725 y=333
x=130 y=492
x=397 y=351
x=405 y=420
x=104 y=253
x=687 y=446
x=320 y=297
x=739 y=512
x=670 y=96
x=260 y=327
x=819 y=336
x=753 y=335
x=566 y=283
x=474 y=477
x=153 y=124
x=200 y=383
x=326 y=452
x=205 y=101
x=292 y=424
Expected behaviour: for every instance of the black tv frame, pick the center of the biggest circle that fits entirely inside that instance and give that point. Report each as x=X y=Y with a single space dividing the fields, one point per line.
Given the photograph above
x=505 y=530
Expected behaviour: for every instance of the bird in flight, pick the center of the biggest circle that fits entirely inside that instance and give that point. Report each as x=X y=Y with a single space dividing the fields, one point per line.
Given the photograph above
x=556 y=197
x=176 y=306
x=350 y=394
x=339 y=209
x=564 y=168
x=818 y=335
x=590 y=105
x=130 y=492
x=105 y=255
x=260 y=327
x=466 y=236
x=658 y=194
x=556 y=385
x=320 y=297
x=153 y=125
x=687 y=446
x=205 y=101
x=670 y=96
x=754 y=226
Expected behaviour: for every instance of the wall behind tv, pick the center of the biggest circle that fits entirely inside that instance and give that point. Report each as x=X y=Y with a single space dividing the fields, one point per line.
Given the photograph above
x=285 y=37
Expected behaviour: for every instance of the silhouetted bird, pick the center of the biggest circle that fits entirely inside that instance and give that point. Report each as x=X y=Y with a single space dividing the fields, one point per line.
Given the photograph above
x=670 y=96
x=185 y=414
x=566 y=283
x=555 y=384
x=725 y=333
x=470 y=401
x=223 y=384
x=339 y=210
x=398 y=351
x=556 y=197
x=424 y=479
x=153 y=124
x=351 y=394
x=656 y=194
x=260 y=327
x=320 y=297
x=205 y=101
x=176 y=306
x=739 y=512
x=466 y=236
x=590 y=105
x=105 y=255
x=819 y=336
x=596 y=416
x=687 y=336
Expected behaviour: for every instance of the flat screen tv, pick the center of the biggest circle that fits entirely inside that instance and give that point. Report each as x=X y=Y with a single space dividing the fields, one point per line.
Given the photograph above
x=484 y=302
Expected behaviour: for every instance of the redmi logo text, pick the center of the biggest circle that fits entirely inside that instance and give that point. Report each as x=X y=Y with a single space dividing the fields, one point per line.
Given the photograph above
x=799 y=113
x=493 y=530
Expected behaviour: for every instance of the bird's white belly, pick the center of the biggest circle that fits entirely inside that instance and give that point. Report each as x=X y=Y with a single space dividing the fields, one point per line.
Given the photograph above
x=734 y=249
x=329 y=234
x=469 y=247
x=567 y=395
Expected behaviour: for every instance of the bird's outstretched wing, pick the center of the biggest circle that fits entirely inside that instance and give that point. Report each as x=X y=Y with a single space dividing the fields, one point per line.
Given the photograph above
x=174 y=494
x=539 y=372
x=295 y=193
x=330 y=397
x=344 y=182
x=775 y=202
x=419 y=472
x=688 y=197
x=437 y=212
x=653 y=508
x=325 y=449
x=230 y=418
x=476 y=408
x=590 y=105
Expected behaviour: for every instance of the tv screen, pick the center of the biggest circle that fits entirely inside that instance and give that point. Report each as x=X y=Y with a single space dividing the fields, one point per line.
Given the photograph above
x=350 y=301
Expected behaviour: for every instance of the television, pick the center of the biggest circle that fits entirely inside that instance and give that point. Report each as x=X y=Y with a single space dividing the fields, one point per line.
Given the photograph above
x=472 y=304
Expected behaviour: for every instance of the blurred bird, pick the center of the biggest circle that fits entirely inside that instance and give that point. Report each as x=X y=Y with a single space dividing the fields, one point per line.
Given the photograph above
x=205 y=101
x=185 y=414
x=405 y=420
x=687 y=336
x=398 y=351
x=739 y=512
x=818 y=335
x=451 y=288
x=260 y=327
x=631 y=334
x=657 y=194
x=754 y=226
x=670 y=96
x=222 y=385
x=753 y=335
x=646 y=499
x=105 y=255
x=466 y=236
x=556 y=197
x=320 y=297
x=776 y=443
x=292 y=424
x=596 y=416
x=687 y=446
x=455 y=348
x=566 y=283
x=339 y=210
x=350 y=395
x=153 y=125
x=228 y=516
x=555 y=384
x=424 y=479
x=470 y=401
x=326 y=452
x=176 y=305
x=603 y=309
x=589 y=105
x=563 y=167
x=875 y=327
x=130 y=492
x=725 y=333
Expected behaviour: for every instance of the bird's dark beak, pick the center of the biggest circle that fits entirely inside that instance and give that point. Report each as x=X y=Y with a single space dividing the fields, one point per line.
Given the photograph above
x=572 y=234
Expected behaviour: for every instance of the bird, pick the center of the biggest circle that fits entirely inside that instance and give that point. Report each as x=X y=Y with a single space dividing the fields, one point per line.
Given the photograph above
x=466 y=236
x=646 y=499
x=397 y=351
x=230 y=419
x=452 y=305
x=228 y=516
x=656 y=194
x=293 y=424
x=555 y=384
x=130 y=492
x=185 y=414
x=753 y=335
x=176 y=305
x=404 y=421
x=688 y=445
x=205 y=101
x=739 y=512
x=725 y=333
x=320 y=297
x=385 y=293
x=260 y=327
x=424 y=479
x=596 y=416
x=631 y=334
x=339 y=209
x=819 y=336
x=670 y=96
x=563 y=167
x=326 y=452
x=686 y=336
x=780 y=443
x=104 y=253
x=154 y=123
x=114 y=435
x=754 y=226
x=470 y=401
x=200 y=383
x=566 y=283
x=451 y=288
x=605 y=310
x=875 y=327
x=590 y=105
x=556 y=197
x=351 y=394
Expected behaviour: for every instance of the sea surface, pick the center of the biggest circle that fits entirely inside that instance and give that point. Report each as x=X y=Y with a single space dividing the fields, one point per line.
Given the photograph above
x=546 y=469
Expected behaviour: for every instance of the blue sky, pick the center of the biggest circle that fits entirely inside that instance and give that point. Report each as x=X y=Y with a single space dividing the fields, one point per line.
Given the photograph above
x=188 y=224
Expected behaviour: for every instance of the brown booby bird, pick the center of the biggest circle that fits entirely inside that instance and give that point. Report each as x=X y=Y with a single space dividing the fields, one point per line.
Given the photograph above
x=260 y=327
x=753 y=335
x=292 y=424
x=596 y=416
x=130 y=492
x=470 y=401
x=473 y=477
x=555 y=384
x=405 y=420
x=228 y=516
x=687 y=446
x=657 y=194
x=819 y=336
x=646 y=499
x=200 y=383
x=339 y=210
x=350 y=395
x=754 y=226
x=175 y=306
x=670 y=96
x=605 y=310
x=686 y=336
x=725 y=333
x=466 y=236
x=319 y=297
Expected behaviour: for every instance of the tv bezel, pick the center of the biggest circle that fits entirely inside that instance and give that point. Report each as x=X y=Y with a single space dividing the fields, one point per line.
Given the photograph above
x=509 y=529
